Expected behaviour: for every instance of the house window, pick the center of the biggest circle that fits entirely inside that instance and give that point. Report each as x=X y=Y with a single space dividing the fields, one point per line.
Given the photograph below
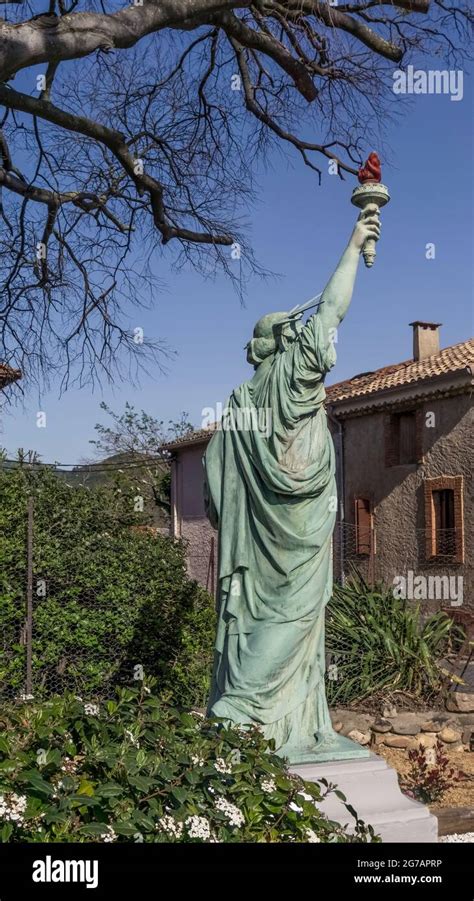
x=403 y=438
x=444 y=518
x=444 y=526
x=363 y=524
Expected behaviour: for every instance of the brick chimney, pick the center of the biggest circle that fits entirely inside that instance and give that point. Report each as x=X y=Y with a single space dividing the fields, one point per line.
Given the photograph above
x=425 y=339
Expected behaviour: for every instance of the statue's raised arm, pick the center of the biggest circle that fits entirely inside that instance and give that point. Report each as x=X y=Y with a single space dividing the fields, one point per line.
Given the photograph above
x=270 y=476
x=337 y=294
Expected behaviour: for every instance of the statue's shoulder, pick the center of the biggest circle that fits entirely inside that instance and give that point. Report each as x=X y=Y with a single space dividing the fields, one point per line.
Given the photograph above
x=243 y=390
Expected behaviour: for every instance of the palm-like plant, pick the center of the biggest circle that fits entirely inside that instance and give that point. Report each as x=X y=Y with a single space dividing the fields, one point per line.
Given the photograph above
x=382 y=643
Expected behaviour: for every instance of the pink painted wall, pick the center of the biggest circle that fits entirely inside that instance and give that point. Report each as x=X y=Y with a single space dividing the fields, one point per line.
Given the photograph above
x=189 y=520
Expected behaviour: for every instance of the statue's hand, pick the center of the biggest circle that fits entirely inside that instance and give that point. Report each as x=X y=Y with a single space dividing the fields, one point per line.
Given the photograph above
x=367 y=226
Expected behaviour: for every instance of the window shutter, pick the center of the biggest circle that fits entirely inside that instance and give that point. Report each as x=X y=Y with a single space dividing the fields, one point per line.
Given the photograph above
x=363 y=522
x=406 y=423
x=391 y=443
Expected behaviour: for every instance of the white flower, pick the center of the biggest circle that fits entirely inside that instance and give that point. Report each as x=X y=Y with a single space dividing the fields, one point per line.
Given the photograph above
x=305 y=796
x=68 y=765
x=110 y=835
x=91 y=709
x=295 y=807
x=132 y=738
x=311 y=836
x=12 y=808
x=198 y=827
x=20 y=801
x=197 y=761
x=221 y=766
x=232 y=813
x=268 y=785
x=171 y=826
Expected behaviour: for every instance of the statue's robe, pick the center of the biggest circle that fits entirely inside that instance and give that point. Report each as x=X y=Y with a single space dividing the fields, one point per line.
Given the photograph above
x=272 y=496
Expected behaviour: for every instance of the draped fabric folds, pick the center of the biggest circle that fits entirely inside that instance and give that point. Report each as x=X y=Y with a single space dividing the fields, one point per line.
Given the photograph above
x=270 y=486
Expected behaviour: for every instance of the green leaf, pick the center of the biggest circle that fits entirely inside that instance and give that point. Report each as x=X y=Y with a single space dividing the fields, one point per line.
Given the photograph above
x=125 y=828
x=35 y=781
x=86 y=788
x=179 y=793
x=6 y=832
x=109 y=790
x=143 y=783
x=94 y=829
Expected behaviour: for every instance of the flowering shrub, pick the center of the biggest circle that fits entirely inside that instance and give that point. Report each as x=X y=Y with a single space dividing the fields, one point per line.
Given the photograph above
x=132 y=769
x=428 y=779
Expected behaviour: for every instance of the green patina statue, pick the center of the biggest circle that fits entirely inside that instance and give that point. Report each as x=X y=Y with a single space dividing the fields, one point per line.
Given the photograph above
x=271 y=493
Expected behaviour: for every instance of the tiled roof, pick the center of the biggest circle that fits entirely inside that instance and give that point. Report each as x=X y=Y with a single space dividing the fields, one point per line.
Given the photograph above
x=7 y=374
x=458 y=357
x=192 y=437
x=452 y=359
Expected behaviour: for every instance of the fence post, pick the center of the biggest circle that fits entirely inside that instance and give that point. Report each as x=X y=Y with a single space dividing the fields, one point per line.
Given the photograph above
x=210 y=580
x=29 y=598
x=372 y=553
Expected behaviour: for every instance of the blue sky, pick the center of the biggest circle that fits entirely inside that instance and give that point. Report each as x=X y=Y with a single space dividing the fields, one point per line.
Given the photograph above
x=299 y=230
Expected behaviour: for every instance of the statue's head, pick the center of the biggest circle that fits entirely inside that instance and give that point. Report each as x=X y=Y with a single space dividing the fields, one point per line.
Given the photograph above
x=272 y=333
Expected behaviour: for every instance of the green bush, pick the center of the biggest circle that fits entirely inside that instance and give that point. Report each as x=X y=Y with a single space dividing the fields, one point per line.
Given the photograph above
x=109 y=594
x=380 y=642
x=133 y=769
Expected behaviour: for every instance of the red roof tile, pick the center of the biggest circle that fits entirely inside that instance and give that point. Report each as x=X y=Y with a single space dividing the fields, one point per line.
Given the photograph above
x=458 y=357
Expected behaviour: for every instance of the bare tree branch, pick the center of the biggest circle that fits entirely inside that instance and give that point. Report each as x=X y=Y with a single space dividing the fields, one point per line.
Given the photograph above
x=142 y=137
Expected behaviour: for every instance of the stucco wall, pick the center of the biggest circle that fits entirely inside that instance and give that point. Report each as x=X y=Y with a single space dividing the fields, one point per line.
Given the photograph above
x=396 y=492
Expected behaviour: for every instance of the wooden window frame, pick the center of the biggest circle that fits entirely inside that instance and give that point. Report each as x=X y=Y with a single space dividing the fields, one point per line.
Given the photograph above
x=444 y=483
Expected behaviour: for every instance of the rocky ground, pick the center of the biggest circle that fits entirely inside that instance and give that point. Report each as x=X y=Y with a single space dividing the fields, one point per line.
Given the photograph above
x=458 y=837
x=392 y=733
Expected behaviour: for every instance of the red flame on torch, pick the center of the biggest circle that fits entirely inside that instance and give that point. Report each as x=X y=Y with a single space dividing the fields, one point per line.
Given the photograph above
x=372 y=171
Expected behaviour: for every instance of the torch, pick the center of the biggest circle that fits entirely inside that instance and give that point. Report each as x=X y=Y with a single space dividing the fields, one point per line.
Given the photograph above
x=370 y=190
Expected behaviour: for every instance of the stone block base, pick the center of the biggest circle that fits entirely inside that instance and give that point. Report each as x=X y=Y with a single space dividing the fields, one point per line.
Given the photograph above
x=371 y=787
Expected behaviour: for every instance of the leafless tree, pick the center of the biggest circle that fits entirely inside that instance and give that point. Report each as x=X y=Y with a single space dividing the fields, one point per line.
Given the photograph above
x=126 y=127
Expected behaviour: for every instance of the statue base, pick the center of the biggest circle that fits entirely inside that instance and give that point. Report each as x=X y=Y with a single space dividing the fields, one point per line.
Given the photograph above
x=371 y=787
x=328 y=746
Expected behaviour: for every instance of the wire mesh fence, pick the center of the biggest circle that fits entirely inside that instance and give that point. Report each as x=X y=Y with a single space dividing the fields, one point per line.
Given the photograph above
x=88 y=587
x=91 y=594
x=380 y=555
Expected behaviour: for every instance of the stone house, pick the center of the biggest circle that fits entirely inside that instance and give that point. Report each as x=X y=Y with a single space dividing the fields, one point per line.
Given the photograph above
x=402 y=436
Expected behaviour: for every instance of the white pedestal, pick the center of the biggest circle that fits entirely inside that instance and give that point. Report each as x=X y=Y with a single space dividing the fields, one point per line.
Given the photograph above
x=371 y=787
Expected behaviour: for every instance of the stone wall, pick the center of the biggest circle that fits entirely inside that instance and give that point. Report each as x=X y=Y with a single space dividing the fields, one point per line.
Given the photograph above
x=406 y=730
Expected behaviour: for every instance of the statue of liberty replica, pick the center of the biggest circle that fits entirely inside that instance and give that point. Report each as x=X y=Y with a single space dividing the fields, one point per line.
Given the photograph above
x=271 y=493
